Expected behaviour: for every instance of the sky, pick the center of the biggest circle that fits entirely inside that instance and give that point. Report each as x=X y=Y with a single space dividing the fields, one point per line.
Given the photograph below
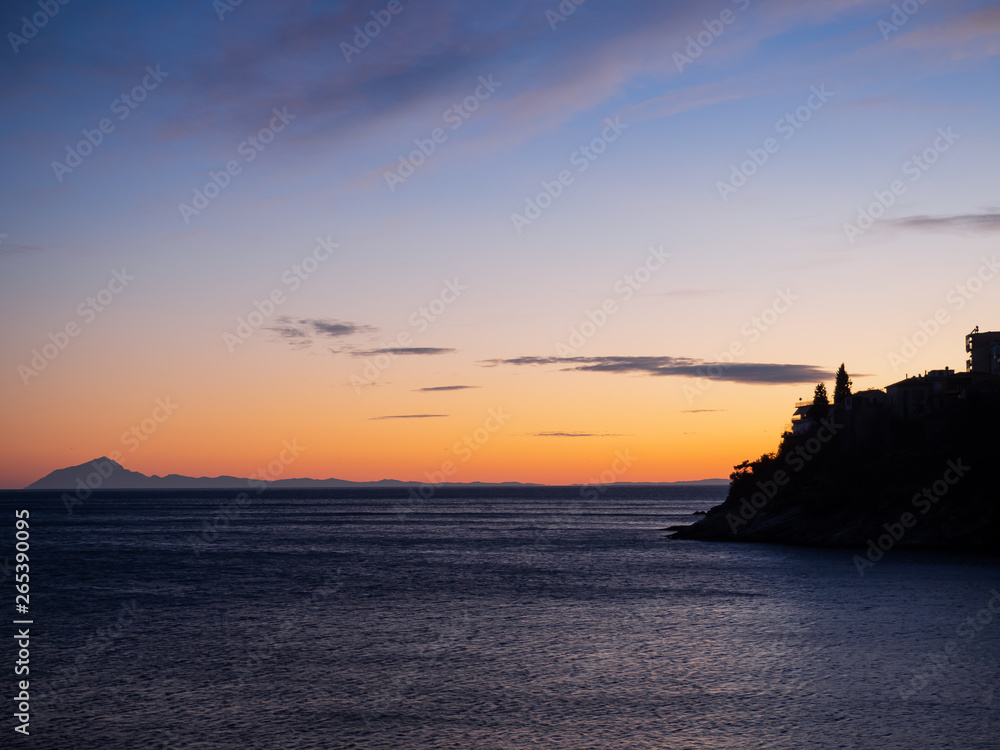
x=522 y=241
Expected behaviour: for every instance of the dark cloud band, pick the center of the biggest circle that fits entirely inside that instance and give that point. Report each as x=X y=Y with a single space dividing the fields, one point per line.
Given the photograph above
x=736 y=372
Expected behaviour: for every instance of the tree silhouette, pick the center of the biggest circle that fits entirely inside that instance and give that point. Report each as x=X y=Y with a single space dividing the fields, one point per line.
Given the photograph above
x=842 y=389
x=821 y=403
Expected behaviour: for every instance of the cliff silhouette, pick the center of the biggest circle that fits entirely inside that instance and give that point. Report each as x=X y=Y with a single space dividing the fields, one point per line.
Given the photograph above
x=914 y=466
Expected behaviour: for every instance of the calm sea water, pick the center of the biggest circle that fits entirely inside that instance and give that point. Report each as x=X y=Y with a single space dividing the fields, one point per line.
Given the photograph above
x=485 y=619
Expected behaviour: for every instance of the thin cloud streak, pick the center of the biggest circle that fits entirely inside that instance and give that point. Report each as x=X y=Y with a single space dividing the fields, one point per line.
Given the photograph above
x=988 y=222
x=574 y=434
x=443 y=388
x=410 y=416
x=15 y=249
x=406 y=351
x=738 y=372
x=307 y=328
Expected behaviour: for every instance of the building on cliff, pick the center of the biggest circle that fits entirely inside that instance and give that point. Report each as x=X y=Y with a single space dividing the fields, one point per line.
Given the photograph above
x=801 y=423
x=919 y=396
x=930 y=393
x=937 y=391
x=984 y=352
x=866 y=400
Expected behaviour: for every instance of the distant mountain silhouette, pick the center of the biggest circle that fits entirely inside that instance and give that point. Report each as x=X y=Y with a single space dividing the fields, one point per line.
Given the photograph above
x=107 y=474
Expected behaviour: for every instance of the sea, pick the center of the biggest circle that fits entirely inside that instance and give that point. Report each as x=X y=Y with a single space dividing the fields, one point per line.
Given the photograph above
x=493 y=618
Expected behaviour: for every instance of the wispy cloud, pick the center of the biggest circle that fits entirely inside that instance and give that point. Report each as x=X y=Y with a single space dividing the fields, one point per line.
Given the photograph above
x=309 y=327
x=681 y=100
x=304 y=332
x=987 y=222
x=406 y=351
x=430 y=54
x=8 y=249
x=410 y=416
x=738 y=372
x=964 y=34
x=701 y=411
x=574 y=434
x=691 y=293
x=441 y=388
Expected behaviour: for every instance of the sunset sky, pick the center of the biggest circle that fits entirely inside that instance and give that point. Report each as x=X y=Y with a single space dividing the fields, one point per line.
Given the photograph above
x=502 y=235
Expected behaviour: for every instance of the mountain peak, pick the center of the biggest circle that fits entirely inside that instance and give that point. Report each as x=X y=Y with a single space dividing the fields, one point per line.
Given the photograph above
x=100 y=473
